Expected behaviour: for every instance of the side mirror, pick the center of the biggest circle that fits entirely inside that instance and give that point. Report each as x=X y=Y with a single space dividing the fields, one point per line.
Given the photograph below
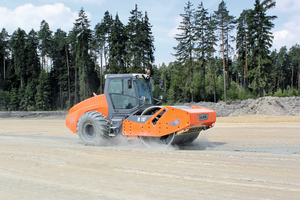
x=161 y=84
x=129 y=84
x=143 y=99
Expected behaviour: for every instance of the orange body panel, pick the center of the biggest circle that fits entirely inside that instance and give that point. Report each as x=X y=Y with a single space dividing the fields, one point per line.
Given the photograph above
x=96 y=103
x=196 y=110
x=173 y=120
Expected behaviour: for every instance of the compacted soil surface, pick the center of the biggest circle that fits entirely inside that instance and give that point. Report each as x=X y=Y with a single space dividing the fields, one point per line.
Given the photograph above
x=247 y=157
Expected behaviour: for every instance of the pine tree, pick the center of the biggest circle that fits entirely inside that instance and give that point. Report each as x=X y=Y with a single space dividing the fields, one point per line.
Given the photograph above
x=18 y=48
x=32 y=71
x=202 y=41
x=4 y=100
x=83 y=41
x=102 y=33
x=210 y=50
x=32 y=59
x=273 y=57
x=45 y=36
x=14 y=100
x=117 y=50
x=283 y=71
x=43 y=95
x=133 y=44
x=225 y=24
x=60 y=71
x=139 y=44
x=147 y=44
x=294 y=54
x=4 y=39
x=242 y=45
x=185 y=50
x=71 y=39
x=260 y=25
x=27 y=99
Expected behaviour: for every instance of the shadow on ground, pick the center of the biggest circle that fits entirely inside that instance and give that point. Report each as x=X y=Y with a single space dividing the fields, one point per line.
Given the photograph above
x=201 y=144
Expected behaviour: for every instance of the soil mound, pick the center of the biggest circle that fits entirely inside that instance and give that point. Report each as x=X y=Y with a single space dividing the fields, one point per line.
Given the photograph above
x=272 y=106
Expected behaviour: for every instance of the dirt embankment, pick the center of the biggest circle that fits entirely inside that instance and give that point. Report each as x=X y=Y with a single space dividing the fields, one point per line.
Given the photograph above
x=272 y=106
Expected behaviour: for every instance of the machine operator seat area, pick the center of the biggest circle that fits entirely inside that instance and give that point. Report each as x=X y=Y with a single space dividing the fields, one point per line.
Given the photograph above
x=121 y=96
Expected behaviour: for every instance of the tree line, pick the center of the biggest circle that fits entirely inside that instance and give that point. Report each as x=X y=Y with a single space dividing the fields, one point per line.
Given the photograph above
x=221 y=57
x=217 y=57
x=48 y=71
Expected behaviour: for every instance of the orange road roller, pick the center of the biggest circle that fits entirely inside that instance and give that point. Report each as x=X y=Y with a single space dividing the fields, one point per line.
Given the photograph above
x=128 y=108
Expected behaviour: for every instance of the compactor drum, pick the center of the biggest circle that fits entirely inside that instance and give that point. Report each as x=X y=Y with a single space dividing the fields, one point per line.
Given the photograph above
x=127 y=107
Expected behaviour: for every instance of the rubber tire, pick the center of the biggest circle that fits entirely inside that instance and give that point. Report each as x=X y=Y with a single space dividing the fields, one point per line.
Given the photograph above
x=92 y=129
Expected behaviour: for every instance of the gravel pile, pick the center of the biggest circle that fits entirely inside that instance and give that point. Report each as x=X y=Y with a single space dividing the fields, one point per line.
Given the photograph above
x=272 y=106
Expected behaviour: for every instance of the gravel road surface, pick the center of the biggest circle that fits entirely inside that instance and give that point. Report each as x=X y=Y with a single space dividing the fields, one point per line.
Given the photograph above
x=250 y=157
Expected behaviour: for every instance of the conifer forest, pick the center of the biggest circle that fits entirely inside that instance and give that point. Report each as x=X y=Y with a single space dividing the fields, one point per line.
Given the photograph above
x=218 y=57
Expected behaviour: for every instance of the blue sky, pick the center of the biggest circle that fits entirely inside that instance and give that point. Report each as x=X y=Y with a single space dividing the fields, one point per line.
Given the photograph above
x=164 y=16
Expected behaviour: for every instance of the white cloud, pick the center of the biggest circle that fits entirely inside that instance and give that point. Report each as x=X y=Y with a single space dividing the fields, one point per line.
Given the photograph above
x=287 y=5
x=288 y=33
x=174 y=31
x=29 y=17
x=78 y=2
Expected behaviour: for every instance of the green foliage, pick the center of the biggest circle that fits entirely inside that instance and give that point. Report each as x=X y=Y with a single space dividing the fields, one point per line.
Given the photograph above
x=225 y=24
x=246 y=94
x=27 y=99
x=220 y=87
x=43 y=95
x=117 y=51
x=194 y=50
x=281 y=72
x=83 y=35
x=294 y=56
x=278 y=93
x=294 y=92
x=139 y=44
x=288 y=92
x=14 y=100
x=4 y=100
x=18 y=50
x=59 y=74
x=260 y=41
x=242 y=45
x=45 y=36
x=171 y=97
x=233 y=92
x=4 y=44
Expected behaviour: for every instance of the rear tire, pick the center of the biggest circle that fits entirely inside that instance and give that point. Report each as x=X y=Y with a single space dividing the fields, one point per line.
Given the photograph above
x=92 y=128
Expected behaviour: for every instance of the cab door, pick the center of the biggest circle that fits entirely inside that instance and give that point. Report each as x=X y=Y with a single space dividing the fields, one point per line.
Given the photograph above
x=122 y=97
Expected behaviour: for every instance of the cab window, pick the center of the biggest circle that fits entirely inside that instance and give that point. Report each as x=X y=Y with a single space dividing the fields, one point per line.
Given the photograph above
x=144 y=89
x=121 y=96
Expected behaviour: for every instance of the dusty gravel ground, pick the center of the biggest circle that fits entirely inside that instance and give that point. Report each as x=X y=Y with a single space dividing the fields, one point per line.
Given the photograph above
x=250 y=157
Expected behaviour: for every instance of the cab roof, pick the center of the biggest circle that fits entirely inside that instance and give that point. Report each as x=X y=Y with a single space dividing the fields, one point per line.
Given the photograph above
x=137 y=76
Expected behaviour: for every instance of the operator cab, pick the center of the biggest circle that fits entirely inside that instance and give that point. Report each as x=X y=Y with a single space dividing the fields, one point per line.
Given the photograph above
x=128 y=93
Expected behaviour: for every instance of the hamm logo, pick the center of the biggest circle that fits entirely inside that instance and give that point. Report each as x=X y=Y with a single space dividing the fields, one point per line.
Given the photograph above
x=203 y=117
